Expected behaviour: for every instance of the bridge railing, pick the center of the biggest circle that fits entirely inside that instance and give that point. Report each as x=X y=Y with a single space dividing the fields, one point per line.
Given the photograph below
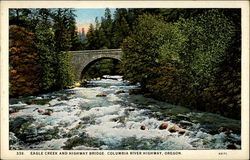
x=97 y=51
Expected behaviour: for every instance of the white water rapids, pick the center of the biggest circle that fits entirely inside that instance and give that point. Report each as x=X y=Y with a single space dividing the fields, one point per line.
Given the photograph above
x=76 y=119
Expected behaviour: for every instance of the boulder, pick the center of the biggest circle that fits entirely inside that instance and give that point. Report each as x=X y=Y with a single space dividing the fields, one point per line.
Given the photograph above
x=164 y=125
x=131 y=109
x=182 y=131
x=48 y=112
x=175 y=128
x=40 y=111
x=143 y=127
x=120 y=91
x=77 y=84
x=101 y=95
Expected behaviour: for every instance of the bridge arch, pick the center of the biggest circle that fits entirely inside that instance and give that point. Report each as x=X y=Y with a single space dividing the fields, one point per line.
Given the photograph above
x=82 y=59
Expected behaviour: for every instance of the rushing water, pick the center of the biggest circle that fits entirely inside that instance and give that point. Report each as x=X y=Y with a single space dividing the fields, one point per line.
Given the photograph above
x=77 y=119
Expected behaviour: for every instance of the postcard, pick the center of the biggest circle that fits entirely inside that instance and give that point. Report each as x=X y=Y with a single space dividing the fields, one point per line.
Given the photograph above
x=124 y=80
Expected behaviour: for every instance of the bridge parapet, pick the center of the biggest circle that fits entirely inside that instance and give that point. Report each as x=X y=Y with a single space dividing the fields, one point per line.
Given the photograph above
x=97 y=51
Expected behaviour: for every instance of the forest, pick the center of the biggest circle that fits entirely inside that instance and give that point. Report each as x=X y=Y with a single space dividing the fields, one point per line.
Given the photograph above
x=38 y=43
x=188 y=57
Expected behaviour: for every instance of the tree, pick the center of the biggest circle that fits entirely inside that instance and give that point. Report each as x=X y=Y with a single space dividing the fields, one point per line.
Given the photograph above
x=120 y=27
x=23 y=61
x=209 y=35
x=224 y=91
x=90 y=38
x=20 y=17
x=44 y=38
x=106 y=27
x=82 y=35
x=40 y=45
x=121 y=31
x=141 y=49
x=63 y=28
x=183 y=62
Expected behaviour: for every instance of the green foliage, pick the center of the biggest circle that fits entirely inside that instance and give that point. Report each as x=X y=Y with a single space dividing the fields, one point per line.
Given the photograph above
x=143 y=48
x=20 y=17
x=106 y=27
x=46 y=58
x=45 y=45
x=109 y=33
x=120 y=28
x=120 y=31
x=64 y=76
x=54 y=32
x=194 y=61
x=189 y=57
x=209 y=35
x=64 y=28
x=90 y=38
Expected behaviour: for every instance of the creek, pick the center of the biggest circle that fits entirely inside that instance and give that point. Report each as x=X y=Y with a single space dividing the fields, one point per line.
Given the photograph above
x=78 y=119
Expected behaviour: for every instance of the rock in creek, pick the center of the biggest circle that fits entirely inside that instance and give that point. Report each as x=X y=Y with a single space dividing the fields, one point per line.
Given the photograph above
x=48 y=112
x=77 y=84
x=182 y=131
x=130 y=109
x=120 y=91
x=164 y=125
x=143 y=127
x=101 y=95
x=175 y=128
x=40 y=111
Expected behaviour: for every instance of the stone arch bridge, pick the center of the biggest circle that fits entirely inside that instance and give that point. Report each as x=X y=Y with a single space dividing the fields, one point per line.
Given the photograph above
x=82 y=60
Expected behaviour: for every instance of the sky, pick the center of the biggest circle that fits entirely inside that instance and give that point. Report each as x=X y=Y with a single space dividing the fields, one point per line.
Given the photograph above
x=84 y=17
